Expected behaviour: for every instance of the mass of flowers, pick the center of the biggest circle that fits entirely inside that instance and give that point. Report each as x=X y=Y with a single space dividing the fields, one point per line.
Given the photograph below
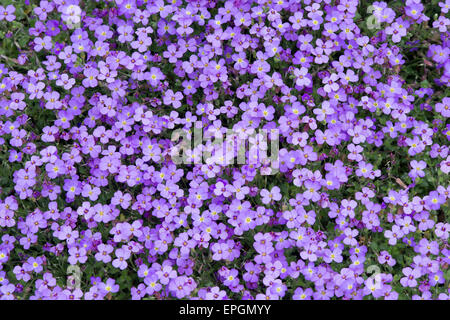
x=355 y=93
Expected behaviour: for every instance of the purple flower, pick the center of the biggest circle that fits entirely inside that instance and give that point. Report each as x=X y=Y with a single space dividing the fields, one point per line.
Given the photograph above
x=268 y=196
x=410 y=277
x=103 y=253
x=43 y=43
x=173 y=99
x=77 y=255
x=7 y=13
x=350 y=237
x=121 y=256
x=109 y=286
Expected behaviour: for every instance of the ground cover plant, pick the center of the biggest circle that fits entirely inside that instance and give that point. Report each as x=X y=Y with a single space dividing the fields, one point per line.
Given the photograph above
x=98 y=97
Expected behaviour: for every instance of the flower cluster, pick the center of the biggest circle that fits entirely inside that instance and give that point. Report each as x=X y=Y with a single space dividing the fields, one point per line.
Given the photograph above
x=91 y=94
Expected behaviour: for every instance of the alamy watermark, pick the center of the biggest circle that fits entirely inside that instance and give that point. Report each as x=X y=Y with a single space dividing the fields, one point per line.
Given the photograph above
x=226 y=147
x=71 y=15
x=73 y=277
x=372 y=21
